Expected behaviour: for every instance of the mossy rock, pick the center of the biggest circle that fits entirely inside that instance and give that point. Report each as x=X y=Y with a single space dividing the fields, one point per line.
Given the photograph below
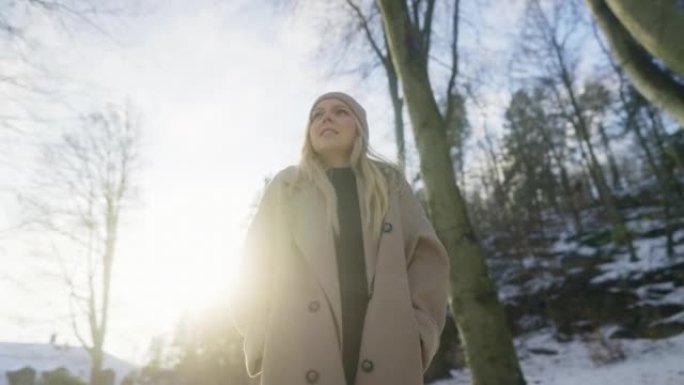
x=573 y=261
x=661 y=231
x=654 y=312
x=644 y=197
x=645 y=320
x=623 y=333
x=596 y=305
x=524 y=309
x=524 y=275
x=597 y=238
x=663 y=330
x=673 y=273
x=678 y=277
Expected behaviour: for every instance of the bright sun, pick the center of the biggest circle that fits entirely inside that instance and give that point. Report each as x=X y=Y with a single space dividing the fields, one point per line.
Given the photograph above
x=174 y=272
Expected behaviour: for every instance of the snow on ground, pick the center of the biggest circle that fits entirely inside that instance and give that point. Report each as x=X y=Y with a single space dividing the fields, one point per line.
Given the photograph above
x=660 y=294
x=651 y=256
x=548 y=362
x=657 y=362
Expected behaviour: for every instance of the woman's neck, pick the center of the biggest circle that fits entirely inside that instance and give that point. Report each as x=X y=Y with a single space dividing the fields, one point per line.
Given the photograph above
x=336 y=161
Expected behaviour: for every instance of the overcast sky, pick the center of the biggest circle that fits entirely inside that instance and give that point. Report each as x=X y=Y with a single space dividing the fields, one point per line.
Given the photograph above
x=223 y=90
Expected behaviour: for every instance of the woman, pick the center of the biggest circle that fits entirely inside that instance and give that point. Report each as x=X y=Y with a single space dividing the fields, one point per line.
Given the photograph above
x=343 y=280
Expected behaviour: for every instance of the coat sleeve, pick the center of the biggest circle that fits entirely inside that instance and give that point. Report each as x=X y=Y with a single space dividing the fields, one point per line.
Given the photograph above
x=251 y=294
x=428 y=272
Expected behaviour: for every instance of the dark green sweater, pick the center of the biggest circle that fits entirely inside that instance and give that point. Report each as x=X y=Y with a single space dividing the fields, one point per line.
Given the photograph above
x=351 y=267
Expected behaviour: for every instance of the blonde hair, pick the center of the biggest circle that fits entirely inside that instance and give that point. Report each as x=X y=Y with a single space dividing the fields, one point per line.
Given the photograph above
x=378 y=174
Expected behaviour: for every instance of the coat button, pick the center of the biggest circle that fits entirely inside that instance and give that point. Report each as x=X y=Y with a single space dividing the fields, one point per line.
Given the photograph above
x=386 y=227
x=311 y=376
x=367 y=365
x=314 y=306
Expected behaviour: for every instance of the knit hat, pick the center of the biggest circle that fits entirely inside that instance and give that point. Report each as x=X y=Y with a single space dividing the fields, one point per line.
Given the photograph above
x=356 y=108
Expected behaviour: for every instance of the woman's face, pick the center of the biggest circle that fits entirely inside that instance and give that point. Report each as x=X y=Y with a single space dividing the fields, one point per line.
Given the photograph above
x=332 y=130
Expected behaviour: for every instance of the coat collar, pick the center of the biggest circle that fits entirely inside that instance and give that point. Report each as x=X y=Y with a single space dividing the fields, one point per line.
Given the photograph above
x=314 y=237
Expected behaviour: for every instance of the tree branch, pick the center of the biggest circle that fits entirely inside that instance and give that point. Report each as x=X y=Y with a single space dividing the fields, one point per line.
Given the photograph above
x=651 y=81
x=366 y=29
x=426 y=31
x=454 y=64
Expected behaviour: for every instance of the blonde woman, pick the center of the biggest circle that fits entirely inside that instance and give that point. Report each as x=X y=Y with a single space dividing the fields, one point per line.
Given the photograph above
x=343 y=280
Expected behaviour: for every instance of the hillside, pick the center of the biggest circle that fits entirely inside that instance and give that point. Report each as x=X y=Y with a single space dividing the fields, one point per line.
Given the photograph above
x=582 y=311
x=47 y=357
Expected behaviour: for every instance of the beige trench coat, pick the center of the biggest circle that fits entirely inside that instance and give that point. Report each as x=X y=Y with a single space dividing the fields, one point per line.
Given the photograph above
x=287 y=301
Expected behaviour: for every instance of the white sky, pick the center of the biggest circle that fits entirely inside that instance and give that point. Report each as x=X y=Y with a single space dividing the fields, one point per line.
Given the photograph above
x=223 y=89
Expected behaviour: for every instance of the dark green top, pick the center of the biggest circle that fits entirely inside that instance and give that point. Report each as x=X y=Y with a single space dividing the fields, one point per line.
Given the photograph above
x=351 y=267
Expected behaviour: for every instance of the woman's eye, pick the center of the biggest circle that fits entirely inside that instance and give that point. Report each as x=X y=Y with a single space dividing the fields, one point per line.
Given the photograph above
x=341 y=112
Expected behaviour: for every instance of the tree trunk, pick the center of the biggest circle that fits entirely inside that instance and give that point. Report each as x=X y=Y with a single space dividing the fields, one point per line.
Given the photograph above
x=665 y=193
x=95 y=367
x=568 y=193
x=672 y=189
x=99 y=323
x=398 y=108
x=498 y=189
x=533 y=220
x=478 y=314
x=658 y=26
x=577 y=119
x=654 y=84
x=614 y=172
x=392 y=81
x=571 y=199
x=620 y=233
x=670 y=159
x=550 y=185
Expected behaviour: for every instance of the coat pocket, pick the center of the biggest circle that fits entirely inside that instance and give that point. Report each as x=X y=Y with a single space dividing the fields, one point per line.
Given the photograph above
x=419 y=344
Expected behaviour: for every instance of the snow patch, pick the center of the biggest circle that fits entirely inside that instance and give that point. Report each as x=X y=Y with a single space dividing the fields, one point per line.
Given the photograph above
x=651 y=255
x=648 y=362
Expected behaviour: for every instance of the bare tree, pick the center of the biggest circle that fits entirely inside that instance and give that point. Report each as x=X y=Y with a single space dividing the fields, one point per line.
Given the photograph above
x=81 y=190
x=546 y=41
x=529 y=147
x=363 y=48
x=596 y=99
x=370 y=28
x=477 y=311
x=26 y=81
x=500 y=214
x=640 y=118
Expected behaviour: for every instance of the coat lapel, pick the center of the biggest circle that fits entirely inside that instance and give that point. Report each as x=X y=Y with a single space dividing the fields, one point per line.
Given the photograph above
x=315 y=239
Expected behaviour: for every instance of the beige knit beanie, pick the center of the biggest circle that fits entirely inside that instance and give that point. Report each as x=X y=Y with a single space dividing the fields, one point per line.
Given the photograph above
x=356 y=108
